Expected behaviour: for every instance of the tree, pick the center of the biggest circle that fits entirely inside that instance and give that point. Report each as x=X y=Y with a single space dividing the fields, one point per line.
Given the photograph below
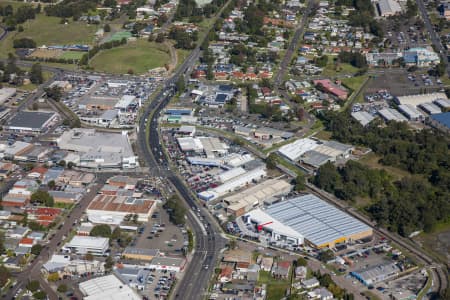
x=232 y=244
x=176 y=210
x=160 y=38
x=89 y=257
x=70 y=165
x=62 y=163
x=101 y=230
x=62 y=288
x=326 y=255
x=36 y=249
x=302 y=262
x=109 y=263
x=54 y=93
x=33 y=286
x=4 y=275
x=271 y=161
x=300 y=183
x=181 y=85
x=42 y=197
x=116 y=233
x=24 y=43
x=53 y=277
x=107 y=28
x=36 y=76
x=51 y=184
x=40 y=295
x=35 y=226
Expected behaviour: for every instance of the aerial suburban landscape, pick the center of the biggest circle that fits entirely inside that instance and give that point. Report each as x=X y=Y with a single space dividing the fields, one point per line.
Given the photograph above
x=224 y=149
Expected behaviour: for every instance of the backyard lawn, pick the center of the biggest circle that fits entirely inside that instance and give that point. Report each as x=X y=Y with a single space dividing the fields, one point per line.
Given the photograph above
x=139 y=56
x=276 y=289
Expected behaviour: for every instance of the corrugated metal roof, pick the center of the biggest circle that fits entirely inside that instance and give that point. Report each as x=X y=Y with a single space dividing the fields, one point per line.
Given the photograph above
x=315 y=219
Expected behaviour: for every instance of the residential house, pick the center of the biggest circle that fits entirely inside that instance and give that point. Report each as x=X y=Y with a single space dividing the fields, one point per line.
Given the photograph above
x=266 y=263
x=226 y=274
x=253 y=272
x=281 y=269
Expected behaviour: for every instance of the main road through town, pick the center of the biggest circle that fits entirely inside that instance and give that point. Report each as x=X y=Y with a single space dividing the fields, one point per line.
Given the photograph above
x=208 y=239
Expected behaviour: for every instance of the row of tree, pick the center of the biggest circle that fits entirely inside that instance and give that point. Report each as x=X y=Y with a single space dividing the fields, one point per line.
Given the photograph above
x=108 y=45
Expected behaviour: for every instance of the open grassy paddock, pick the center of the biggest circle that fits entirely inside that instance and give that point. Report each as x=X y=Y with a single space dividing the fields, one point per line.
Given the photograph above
x=46 y=30
x=72 y=54
x=139 y=56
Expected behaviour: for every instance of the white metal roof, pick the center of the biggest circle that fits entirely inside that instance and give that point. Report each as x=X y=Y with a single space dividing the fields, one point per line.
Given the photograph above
x=230 y=174
x=315 y=219
x=420 y=99
x=125 y=101
x=444 y=103
x=363 y=117
x=391 y=114
x=107 y=288
x=190 y=144
x=431 y=108
x=294 y=150
x=410 y=111
x=88 y=242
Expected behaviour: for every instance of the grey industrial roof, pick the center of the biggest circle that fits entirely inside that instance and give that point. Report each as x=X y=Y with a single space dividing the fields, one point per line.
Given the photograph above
x=410 y=111
x=338 y=146
x=314 y=158
x=30 y=119
x=444 y=103
x=391 y=114
x=430 y=108
x=318 y=221
x=376 y=273
x=141 y=251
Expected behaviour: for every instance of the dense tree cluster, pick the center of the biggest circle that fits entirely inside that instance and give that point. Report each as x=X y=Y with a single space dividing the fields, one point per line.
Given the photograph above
x=176 y=210
x=22 y=14
x=24 y=43
x=190 y=9
x=354 y=58
x=42 y=198
x=363 y=15
x=183 y=39
x=415 y=202
x=326 y=281
x=71 y=8
x=101 y=230
x=36 y=75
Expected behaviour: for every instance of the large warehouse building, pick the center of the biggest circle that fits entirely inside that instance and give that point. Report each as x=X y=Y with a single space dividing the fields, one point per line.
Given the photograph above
x=99 y=149
x=244 y=201
x=233 y=184
x=416 y=100
x=310 y=218
x=105 y=209
x=30 y=121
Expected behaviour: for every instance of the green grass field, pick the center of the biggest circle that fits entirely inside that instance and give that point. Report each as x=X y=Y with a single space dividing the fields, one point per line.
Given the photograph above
x=139 y=56
x=46 y=30
x=72 y=55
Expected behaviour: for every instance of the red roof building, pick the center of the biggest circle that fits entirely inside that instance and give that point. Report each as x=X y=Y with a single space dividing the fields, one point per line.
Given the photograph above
x=27 y=242
x=332 y=88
